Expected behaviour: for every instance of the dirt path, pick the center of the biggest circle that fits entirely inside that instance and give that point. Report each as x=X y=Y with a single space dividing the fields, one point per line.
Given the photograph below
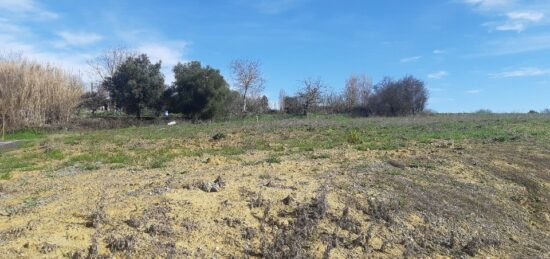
x=8 y=145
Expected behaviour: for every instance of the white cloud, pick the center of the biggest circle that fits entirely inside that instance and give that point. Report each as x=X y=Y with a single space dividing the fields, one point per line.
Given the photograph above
x=522 y=72
x=438 y=75
x=474 y=91
x=439 y=52
x=489 y=4
x=515 y=15
x=410 y=59
x=513 y=26
x=518 y=21
x=71 y=62
x=170 y=53
x=77 y=38
x=527 y=16
x=27 y=8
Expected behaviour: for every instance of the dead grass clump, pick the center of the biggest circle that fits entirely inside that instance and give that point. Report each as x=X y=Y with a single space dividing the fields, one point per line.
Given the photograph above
x=33 y=95
x=348 y=223
x=134 y=222
x=158 y=211
x=256 y=200
x=97 y=217
x=46 y=248
x=190 y=225
x=12 y=233
x=292 y=241
x=249 y=233
x=214 y=186
x=121 y=244
x=160 y=230
x=477 y=243
x=381 y=210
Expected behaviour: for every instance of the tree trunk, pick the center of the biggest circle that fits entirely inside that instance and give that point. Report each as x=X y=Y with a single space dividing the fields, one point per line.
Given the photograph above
x=3 y=126
x=244 y=100
x=139 y=113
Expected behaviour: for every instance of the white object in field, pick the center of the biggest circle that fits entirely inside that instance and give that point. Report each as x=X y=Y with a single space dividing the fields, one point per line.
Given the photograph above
x=172 y=123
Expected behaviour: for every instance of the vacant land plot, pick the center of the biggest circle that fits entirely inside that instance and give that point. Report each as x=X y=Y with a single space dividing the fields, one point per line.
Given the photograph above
x=459 y=185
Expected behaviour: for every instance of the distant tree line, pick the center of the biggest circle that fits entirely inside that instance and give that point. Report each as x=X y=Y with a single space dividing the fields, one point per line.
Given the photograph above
x=133 y=84
x=406 y=96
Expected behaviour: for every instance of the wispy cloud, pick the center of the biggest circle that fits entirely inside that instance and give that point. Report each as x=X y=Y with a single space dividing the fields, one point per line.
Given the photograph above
x=77 y=38
x=515 y=16
x=532 y=16
x=486 y=5
x=519 y=21
x=474 y=91
x=410 y=59
x=438 y=75
x=522 y=72
x=439 y=52
x=515 y=45
x=27 y=8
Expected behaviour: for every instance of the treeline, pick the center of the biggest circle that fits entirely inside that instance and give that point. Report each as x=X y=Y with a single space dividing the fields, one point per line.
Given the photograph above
x=406 y=96
x=133 y=84
x=33 y=95
x=200 y=92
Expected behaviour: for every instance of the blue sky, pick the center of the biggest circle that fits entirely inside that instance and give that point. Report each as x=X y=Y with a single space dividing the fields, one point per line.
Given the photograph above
x=472 y=54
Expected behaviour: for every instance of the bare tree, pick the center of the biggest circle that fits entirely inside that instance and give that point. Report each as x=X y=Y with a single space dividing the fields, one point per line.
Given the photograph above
x=248 y=77
x=282 y=96
x=106 y=64
x=310 y=94
x=334 y=103
x=357 y=91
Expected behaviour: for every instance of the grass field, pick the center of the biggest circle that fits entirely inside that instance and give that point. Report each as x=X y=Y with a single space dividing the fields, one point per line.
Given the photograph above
x=334 y=186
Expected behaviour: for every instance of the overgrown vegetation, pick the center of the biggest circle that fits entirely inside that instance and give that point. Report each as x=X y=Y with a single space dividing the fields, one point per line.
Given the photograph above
x=34 y=95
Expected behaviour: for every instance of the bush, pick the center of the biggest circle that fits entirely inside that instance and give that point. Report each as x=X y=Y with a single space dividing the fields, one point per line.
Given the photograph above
x=198 y=92
x=33 y=95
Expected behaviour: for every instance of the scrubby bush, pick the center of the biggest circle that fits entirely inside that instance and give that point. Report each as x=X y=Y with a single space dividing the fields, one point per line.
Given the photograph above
x=33 y=94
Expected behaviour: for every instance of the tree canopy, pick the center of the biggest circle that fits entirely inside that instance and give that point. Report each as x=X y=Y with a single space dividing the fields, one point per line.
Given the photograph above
x=199 y=92
x=137 y=84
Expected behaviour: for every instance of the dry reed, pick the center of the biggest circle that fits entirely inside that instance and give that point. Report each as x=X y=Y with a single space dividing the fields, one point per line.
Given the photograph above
x=34 y=95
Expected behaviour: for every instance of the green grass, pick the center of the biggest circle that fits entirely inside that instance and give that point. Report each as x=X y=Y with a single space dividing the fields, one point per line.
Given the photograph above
x=276 y=134
x=28 y=134
x=273 y=159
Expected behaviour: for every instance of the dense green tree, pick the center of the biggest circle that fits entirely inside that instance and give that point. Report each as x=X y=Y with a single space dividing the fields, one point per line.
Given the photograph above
x=199 y=92
x=136 y=84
